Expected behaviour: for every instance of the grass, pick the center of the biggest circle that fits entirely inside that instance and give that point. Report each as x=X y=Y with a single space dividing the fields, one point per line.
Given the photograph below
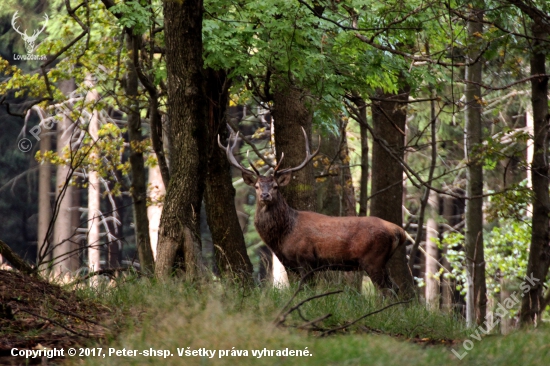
x=172 y=315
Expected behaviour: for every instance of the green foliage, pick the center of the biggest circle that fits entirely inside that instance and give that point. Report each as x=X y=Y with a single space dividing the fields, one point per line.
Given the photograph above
x=453 y=242
x=134 y=14
x=511 y=204
x=506 y=252
x=507 y=248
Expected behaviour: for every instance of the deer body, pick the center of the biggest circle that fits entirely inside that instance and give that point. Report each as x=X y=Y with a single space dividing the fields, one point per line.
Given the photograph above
x=304 y=240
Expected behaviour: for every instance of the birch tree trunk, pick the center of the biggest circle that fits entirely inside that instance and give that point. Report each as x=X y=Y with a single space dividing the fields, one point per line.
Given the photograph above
x=432 y=253
x=94 y=191
x=64 y=257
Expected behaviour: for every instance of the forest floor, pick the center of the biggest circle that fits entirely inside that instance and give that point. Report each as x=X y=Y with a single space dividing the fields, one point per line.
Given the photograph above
x=177 y=323
x=35 y=314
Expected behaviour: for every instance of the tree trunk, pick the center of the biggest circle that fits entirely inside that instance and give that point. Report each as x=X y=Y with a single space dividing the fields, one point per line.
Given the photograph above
x=447 y=288
x=432 y=253
x=506 y=322
x=94 y=192
x=290 y=114
x=348 y=202
x=64 y=256
x=539 y=253
x=44 y=203
x=114 y=247
x=389 y=118
x=229 y=247
x=364 y=190
x=139 y=186
x=77 y=241
x=476 y=300
x=179 y=225
x=328 y=190
x=336 y=195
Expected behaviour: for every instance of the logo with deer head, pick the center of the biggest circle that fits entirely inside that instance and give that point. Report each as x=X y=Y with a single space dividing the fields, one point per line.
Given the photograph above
x=29 y=40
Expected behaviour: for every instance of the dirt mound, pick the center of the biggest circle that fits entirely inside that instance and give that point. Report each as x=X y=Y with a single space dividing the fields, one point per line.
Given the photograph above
x=35 y=314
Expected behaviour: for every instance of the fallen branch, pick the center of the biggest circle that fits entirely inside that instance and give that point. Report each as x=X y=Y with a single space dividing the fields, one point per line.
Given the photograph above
x=79 y=317
x=362 y=317
x=282 y=317
x=16 y=261
x=312 y=323
x=300 y=285
x=54 y=322
x=111 y=272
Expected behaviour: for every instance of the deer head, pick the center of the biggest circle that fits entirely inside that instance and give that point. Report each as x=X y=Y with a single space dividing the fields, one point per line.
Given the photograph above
x=266 y=186
x=29 y=40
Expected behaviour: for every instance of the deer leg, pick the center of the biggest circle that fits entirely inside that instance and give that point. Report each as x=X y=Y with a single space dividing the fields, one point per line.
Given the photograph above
x=307 y=274
x=379 y=276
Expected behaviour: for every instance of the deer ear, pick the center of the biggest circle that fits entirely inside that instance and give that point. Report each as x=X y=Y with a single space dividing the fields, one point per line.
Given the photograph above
x=284 y=179
x=249 y=179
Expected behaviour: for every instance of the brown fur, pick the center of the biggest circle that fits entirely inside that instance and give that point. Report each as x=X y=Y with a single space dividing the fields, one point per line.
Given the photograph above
x=304 y=240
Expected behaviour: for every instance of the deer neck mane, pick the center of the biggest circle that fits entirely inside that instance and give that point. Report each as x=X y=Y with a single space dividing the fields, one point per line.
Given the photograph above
x=275 y=222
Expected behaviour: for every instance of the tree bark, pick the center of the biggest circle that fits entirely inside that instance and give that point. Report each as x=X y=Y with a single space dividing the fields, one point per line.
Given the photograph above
x=336 y=195
x=114 y=248
x=389 y=118
x=327 y=189
x=139 y=186
x=229 y=246
x=539 y=253
x=94 y=191
x=446 y=287
x=16 y=261
x=44 y=202
x=432 y=253
x=476 y=300
x=348 y=201
x=290 y=114
x=363 y=190
x=64 y=256
x=179 y=225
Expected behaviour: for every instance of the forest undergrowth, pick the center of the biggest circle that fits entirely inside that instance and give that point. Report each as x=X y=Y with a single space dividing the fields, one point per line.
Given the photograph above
x=175 y=322
x=219 y=322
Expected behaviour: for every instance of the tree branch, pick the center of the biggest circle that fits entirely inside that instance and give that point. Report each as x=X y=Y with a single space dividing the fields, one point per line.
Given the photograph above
x=14 y=259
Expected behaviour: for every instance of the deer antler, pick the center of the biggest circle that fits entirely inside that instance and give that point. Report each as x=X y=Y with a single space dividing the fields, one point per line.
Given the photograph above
x=308 y=158
x=16 y=28
x=231 y=158
x=25 y=35
x=37 y=32
x=252 y=165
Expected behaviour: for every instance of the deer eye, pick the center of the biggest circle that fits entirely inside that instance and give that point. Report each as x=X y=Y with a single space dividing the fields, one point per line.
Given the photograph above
x=275 y=187
x=256 y=186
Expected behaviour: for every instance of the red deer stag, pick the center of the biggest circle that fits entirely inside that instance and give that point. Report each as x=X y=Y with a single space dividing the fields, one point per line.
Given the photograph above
x=304 y=240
